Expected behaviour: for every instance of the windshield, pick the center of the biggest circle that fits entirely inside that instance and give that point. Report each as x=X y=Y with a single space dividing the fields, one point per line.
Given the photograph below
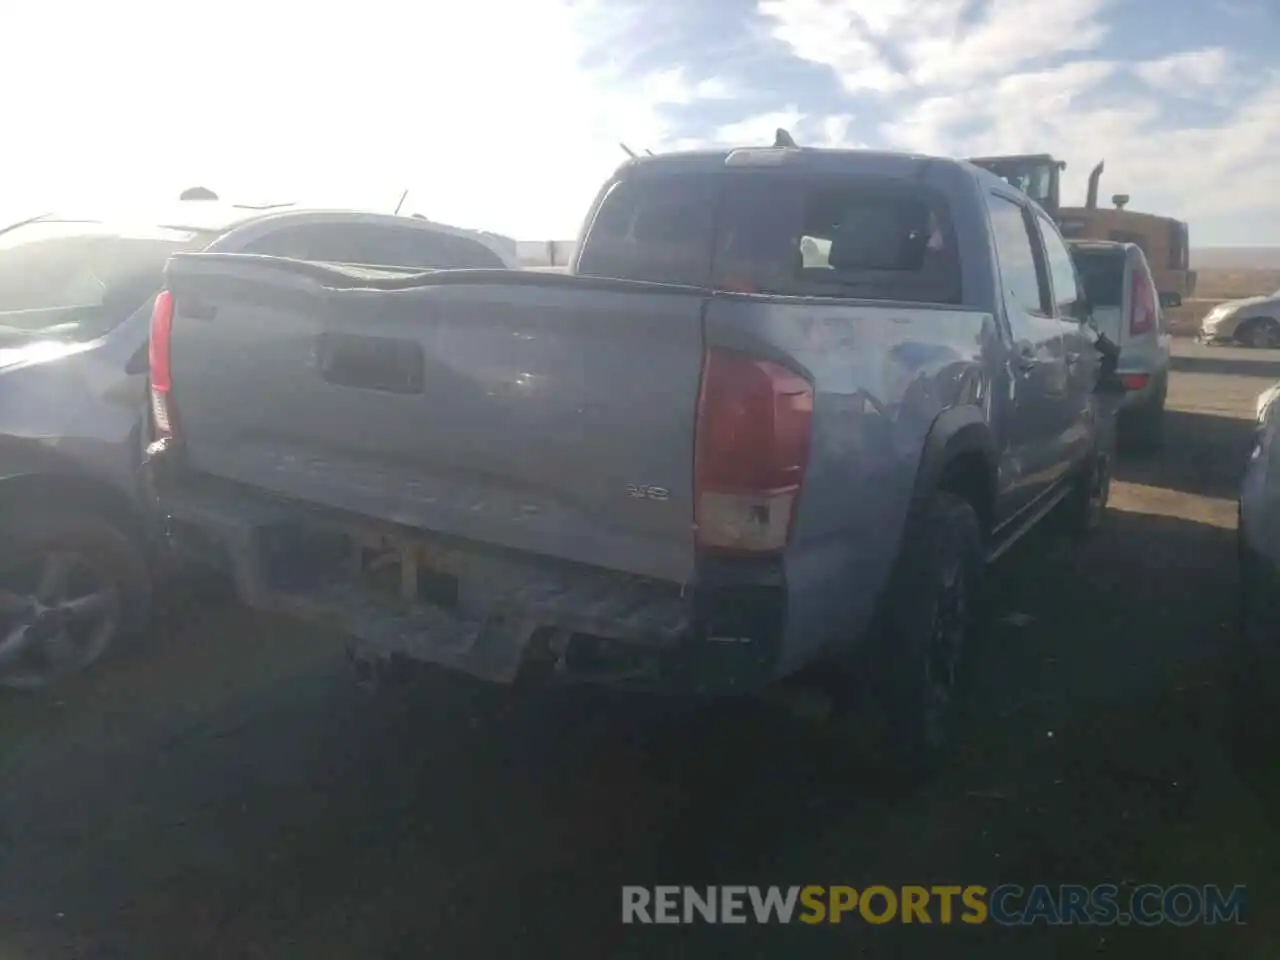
x=79 y=280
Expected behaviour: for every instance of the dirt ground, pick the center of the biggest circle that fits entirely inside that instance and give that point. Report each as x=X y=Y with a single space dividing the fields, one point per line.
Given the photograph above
x=223 y=790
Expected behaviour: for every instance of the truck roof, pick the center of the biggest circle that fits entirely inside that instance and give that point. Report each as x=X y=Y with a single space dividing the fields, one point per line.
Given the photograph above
x=816 y=158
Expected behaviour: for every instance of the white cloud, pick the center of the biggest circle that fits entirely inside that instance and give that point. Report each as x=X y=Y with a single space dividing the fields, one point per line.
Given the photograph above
x=833 y=35
x=1024 y=76
x=489 y=115
x=1189 y=69
x=897 y=44
x=484 y=112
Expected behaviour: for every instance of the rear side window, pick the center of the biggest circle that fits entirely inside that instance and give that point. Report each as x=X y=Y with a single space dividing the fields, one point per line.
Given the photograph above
x=1103 y=276
x=1019 y=266
x=866 y=238
x=658 y=229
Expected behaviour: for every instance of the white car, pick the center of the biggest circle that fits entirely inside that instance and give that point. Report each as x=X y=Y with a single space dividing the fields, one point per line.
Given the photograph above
x=1126 y=308
x=1251 y=321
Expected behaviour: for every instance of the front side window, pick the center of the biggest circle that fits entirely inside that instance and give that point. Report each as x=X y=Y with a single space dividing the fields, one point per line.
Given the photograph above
x=79 y=280
x=1062 y=271
x=864 y=238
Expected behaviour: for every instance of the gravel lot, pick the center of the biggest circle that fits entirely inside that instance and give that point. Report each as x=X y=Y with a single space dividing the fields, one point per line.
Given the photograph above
x=223 y=790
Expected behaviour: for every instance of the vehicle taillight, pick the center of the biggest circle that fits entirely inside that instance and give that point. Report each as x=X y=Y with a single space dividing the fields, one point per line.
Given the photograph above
x=161 y=374
x=1142 y=308
x=754 y=422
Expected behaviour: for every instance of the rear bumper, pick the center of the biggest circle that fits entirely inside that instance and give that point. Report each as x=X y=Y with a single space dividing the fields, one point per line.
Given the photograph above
x=493 y=614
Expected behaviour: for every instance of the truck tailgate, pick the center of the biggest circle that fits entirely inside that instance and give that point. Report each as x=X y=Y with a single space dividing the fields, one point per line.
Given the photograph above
x=538 y=412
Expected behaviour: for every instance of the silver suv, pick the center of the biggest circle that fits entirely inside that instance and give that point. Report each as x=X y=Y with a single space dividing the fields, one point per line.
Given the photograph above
x=76 y=551
x=1126 y=308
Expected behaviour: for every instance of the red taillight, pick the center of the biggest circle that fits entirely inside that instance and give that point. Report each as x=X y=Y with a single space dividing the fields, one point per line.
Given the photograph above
x=1134 y=381
x=1142 y=307
x=158 y=351
x=754 y=422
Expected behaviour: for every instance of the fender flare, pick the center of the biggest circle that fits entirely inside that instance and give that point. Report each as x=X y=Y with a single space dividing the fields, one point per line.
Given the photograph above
x=956 y=431
x=30 y=473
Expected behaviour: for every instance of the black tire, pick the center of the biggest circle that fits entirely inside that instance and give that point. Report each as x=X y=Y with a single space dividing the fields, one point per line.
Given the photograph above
x=1259 y=332
x=83 y=548
x=916 y=667
x=1086 y=504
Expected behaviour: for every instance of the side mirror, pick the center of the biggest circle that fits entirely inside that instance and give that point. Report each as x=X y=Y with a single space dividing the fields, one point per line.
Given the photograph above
x=1170 y=299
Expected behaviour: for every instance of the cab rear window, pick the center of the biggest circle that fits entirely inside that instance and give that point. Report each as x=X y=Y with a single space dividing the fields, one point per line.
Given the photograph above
x=872 y=238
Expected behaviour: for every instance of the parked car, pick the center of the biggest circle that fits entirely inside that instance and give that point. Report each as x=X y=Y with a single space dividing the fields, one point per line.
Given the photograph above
x=1249 y=321
x=76 y=293
x=1258 y=536
x=1126 y=307
x=692 y=465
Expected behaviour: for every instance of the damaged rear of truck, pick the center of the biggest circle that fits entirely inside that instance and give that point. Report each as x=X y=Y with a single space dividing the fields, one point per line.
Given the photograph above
x=689 y=465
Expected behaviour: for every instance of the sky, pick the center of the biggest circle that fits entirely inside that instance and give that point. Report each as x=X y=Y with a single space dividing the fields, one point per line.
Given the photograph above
x=507 y=115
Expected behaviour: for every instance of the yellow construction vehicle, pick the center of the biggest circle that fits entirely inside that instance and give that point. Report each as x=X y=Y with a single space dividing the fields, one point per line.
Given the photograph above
x=1164 y=241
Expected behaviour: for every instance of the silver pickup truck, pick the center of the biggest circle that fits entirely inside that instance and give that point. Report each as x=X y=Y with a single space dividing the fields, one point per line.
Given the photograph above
x=778 y=416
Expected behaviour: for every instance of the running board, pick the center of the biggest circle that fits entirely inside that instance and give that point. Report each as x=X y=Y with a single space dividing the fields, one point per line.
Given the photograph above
x=1037 y=514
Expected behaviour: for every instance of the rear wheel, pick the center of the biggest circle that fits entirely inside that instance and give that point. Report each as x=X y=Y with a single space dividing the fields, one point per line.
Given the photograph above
x=71 y=584
x=1086 y=504
x=918 y=648
x=1260 y=333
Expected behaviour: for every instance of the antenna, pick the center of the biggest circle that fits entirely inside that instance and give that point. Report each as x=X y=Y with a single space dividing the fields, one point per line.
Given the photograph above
x=401 y=203
x=627 y=150
x=783 y=139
